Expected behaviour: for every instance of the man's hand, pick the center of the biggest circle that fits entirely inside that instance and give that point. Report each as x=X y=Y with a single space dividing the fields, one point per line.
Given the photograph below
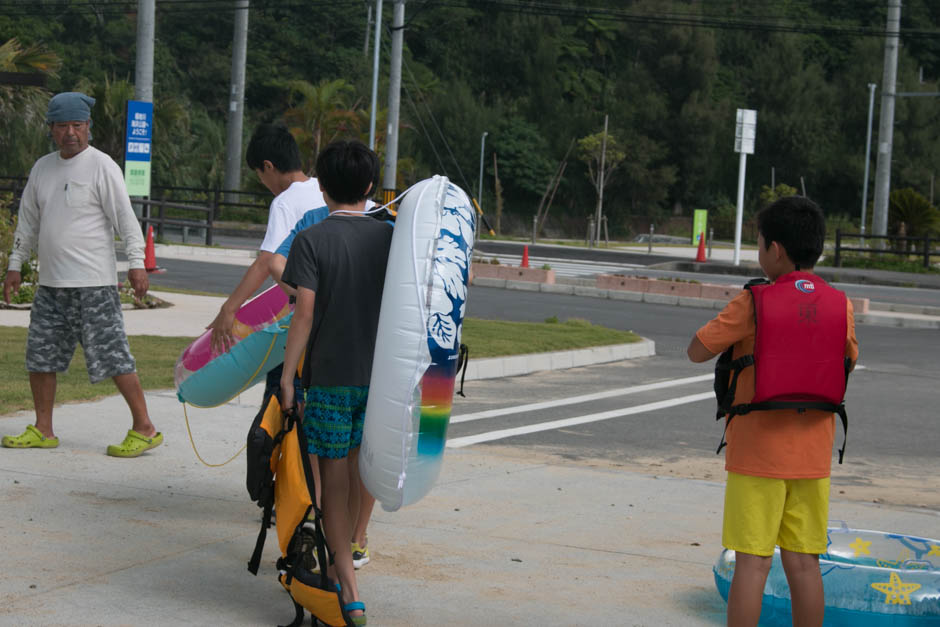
x=11 y=284
x=139 y=281
x=222 y=336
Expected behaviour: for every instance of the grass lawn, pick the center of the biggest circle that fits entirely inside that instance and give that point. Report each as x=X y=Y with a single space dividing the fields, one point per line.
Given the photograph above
x=156 y=356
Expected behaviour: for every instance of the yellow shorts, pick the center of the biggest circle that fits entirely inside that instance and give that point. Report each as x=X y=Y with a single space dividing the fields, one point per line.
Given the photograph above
x=761 y=512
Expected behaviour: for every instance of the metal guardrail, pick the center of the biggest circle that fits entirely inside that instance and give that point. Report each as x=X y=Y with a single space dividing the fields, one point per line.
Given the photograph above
x=905 y=249
x=161 y=220
x=219 y=200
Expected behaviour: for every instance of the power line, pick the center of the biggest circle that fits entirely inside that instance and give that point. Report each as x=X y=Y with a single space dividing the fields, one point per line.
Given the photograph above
x=763 y=23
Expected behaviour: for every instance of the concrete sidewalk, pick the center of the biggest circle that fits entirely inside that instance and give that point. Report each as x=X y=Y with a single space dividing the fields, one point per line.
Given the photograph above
x=507 y=537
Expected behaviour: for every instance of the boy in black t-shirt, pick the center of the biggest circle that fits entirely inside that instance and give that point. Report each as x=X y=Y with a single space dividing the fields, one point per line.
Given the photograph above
x=338 y=269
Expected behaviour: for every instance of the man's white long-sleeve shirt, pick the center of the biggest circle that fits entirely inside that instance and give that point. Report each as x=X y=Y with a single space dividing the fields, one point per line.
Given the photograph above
x=71 y=209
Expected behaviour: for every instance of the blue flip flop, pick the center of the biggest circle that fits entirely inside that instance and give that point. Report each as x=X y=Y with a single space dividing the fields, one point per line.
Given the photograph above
x=358 y=621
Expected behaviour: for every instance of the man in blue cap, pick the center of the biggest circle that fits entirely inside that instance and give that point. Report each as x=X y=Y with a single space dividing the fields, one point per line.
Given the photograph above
x=73 y=203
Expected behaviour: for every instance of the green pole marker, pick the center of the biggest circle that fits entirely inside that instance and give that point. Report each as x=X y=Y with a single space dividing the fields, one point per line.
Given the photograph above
x=699 y=224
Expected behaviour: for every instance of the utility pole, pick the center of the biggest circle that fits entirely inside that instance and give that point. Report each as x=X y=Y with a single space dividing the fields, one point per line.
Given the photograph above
x=600 y=184
x=375 y=72
x=394 y=102
x=143 y=75
x=236 y=105
x=879 y=224
x=871 y=108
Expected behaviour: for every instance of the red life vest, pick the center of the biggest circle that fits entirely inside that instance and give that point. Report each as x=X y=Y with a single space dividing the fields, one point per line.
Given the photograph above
x=799 y=350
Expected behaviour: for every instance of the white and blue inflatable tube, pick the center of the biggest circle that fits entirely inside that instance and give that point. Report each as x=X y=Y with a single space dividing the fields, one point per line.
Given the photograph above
x=418 y=341
x=870 y=579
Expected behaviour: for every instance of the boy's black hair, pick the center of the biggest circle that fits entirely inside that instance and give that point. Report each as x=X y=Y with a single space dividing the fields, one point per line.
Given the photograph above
x=345 y=169
x=274 y=143
x=797 y=224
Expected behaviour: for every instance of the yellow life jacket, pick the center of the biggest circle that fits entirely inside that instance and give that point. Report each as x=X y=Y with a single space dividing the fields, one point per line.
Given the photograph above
x=280 y=479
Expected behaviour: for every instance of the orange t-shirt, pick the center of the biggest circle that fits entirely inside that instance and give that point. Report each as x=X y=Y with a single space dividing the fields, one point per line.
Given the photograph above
x=779 y=443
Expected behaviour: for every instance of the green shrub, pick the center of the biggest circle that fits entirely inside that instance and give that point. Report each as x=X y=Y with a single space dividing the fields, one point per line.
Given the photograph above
x=7 y=229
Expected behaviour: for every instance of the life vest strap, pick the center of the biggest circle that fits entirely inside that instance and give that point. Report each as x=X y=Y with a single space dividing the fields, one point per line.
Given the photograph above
x=255 y=560
x=800 y=406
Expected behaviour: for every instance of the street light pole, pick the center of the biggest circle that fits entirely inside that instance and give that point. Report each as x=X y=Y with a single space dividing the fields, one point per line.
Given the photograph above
x=871 y=107
x=480 y=188
x=375 y=72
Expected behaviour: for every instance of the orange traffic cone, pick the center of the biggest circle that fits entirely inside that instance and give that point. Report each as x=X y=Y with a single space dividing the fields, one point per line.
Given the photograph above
x=700 y=256
x=150 y=255
x=525 y=257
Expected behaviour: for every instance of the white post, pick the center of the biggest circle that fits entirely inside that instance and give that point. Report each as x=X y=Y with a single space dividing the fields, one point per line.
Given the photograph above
x=480 y=188
x=739 y=215
x=600 y=185
x=871 y=108
x=745 y=133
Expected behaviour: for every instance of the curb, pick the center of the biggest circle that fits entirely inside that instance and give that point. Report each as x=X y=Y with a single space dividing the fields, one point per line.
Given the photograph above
x=499 y=367
x=887 y=314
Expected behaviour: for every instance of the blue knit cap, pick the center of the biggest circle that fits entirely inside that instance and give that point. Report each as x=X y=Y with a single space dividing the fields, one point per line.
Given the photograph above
x=70 y=106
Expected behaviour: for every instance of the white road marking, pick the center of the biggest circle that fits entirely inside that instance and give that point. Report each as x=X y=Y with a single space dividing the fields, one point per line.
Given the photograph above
x=577 y=420
x=573 y=400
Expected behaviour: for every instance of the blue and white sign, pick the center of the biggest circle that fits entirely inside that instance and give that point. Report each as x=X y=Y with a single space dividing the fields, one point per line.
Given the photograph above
x=137 y=147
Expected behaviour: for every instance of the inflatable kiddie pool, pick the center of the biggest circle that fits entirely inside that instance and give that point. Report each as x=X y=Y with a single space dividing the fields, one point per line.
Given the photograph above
x=204 y=379
x=418 y=342
x=870 y=578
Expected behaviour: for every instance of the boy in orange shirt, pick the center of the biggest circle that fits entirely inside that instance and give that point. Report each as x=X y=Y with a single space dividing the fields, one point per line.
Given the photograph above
x=778 y=460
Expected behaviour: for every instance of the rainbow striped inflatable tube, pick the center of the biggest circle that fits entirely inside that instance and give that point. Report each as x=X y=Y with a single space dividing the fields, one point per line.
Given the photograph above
x=415 y=362
x=206 y=380
x=870 y=578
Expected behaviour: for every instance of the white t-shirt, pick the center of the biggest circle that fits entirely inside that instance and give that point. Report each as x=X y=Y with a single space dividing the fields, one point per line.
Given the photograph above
x=70 y=210
x=288 y=208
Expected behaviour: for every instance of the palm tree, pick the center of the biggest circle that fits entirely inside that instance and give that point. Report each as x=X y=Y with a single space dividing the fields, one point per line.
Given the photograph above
x=108 y=114
x=318 y=114
x=22 y=108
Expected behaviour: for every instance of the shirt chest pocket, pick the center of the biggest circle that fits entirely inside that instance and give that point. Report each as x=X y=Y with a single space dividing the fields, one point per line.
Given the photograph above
x=77 y=194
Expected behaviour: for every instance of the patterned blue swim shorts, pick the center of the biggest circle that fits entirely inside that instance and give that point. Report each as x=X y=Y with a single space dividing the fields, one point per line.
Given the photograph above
x=333 y=419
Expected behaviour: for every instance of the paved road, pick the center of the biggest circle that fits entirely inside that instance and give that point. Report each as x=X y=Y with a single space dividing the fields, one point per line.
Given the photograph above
x=222 y=278
x=892 y=400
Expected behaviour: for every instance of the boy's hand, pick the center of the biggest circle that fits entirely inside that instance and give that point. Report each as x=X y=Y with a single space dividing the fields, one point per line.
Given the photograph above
x=222 y=336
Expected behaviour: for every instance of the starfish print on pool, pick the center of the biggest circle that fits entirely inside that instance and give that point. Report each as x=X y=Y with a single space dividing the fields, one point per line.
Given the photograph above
x=896 y=591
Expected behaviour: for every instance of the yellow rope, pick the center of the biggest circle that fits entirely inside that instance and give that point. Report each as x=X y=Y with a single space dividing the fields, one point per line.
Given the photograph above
x=244 y=387
x=191 y=441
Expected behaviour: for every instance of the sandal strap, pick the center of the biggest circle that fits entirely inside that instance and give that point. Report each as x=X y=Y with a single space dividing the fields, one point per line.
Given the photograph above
x=355 y=605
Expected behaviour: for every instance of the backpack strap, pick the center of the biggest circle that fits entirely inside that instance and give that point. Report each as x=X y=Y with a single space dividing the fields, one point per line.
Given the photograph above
x=463 y=356
x=298 y=616
x=268 y=503
x=255 y=560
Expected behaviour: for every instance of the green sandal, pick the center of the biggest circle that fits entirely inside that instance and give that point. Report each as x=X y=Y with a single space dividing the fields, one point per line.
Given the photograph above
x=31 y=438
x=135 y=444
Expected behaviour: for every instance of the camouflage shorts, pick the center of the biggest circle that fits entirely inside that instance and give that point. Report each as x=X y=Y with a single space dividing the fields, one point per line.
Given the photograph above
x=62 y=317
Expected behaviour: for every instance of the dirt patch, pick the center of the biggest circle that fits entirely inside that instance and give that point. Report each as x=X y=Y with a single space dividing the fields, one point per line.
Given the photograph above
x=860 y=481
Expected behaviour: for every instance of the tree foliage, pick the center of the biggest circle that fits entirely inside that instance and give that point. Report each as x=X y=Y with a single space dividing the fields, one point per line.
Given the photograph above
x=534 y=81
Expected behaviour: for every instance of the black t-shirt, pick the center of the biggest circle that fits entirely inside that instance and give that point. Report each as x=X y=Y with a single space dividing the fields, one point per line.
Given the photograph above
x=343 y=260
